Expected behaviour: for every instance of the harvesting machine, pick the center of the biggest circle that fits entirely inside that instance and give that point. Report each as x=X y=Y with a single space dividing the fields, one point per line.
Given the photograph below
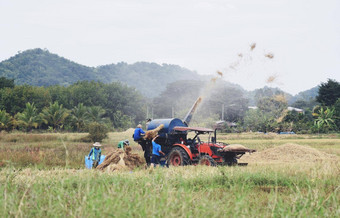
x=181 y=150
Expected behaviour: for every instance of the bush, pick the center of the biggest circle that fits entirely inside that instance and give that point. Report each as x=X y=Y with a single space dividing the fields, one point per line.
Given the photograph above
x=97 y=132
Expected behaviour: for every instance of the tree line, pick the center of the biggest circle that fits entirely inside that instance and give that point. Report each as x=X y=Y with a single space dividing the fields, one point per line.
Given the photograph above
x=117 y=106
x=70 y=108
x=225 y=101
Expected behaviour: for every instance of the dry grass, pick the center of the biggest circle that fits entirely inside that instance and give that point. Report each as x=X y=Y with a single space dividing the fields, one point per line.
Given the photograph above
x=289 y=153
x=120 y=160
x=301 y=188
x=269 y=55
x=271 y=79
x=252 y=46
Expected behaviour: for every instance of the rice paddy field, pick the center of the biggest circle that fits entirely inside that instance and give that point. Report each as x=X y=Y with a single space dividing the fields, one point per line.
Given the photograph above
x=43 y=175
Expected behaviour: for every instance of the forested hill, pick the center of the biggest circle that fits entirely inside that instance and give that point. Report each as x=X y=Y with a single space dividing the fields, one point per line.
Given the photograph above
x=305 y=95
x=39 y=67
x=149 y=78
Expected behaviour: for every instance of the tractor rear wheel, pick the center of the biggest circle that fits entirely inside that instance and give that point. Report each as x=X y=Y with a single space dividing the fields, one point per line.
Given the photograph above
x=178 y=157
x=207 y=160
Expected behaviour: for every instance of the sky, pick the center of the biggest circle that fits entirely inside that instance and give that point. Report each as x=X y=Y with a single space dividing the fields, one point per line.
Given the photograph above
x=297 y=42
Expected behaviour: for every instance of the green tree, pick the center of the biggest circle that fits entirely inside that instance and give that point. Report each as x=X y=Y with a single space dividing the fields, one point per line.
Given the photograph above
x=329 y=92
x=256 y=120
x=97 y=132
x=80 y=116
x=14 y=100
x=297 y=122
x=29 y=118
x=96 y=114
x=337 y=113
x=325 y=119
x=6 y=121
x=6 y=83
x=121 y=121
x=273 y=106
x=54 y=115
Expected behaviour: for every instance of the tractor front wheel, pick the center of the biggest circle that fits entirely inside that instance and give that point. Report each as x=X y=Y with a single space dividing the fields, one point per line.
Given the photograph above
x=207 y=160
x=178 y=157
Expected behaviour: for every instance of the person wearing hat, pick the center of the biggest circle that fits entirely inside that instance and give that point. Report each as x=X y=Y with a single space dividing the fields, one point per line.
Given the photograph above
x=124 y=143
x=95 y=154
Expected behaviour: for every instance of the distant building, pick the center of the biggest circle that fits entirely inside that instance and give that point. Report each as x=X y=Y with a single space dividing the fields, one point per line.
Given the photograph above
x=288 y=108
x=296 y=109
x=252 y=107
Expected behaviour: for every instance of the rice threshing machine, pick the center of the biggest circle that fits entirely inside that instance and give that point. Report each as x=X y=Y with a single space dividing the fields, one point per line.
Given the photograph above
x=181 y=150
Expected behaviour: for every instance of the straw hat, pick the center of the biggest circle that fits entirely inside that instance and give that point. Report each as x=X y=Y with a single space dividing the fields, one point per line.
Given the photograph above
x=139 y=125
x=97 y=144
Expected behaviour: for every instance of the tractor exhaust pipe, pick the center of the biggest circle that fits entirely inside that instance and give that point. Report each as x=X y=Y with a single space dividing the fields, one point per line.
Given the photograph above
x=191 y=112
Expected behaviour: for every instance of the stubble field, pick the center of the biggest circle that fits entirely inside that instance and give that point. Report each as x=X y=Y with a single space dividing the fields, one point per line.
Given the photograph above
x=43 y=175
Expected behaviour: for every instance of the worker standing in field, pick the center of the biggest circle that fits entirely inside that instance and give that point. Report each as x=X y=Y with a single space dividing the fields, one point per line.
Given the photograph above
x=138 y=137
x=122 y=144
x=95 y=154
x=156 y=152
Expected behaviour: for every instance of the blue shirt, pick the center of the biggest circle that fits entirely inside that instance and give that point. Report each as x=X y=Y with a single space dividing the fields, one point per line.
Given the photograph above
x=137 y=134
x=156 y=148
x=96 y=153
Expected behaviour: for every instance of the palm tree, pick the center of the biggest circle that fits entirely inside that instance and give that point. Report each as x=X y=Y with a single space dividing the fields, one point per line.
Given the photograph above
x=54 y=115
x=80 y=116
x=325 y=118
x=96 y=114
x=5 y=120
x=29 y=118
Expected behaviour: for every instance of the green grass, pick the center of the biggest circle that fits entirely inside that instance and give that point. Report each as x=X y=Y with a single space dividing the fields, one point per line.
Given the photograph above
x=188 y=191
x=38 y=179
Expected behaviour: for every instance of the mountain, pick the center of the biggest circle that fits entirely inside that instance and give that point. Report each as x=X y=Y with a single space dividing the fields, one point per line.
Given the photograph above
x=266 y=91
x=305 y=95
x=39 y=67
x=149 y=78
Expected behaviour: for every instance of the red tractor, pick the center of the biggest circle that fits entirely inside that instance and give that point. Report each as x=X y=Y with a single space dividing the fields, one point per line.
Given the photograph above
x=194 y=151
x=181 y=150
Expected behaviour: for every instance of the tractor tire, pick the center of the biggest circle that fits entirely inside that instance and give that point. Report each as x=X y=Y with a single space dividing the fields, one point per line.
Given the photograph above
x=207 y=160
x=178 y=157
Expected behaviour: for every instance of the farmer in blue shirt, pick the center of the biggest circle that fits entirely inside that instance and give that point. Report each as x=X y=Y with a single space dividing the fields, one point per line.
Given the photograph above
x=156 y=152
x=138 y=137
x=95 y=154
x=139 y=133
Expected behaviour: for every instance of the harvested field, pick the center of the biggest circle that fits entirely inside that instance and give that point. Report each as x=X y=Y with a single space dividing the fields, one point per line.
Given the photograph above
x=38 y=179
x=119 y=160
x=289 y=153
x=129 y=131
